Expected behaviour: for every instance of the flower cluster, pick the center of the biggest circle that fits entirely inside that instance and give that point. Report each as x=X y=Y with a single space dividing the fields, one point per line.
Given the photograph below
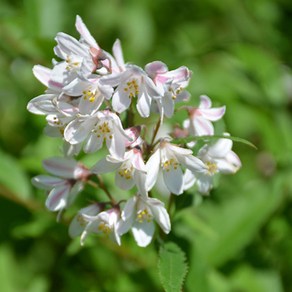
x=93 y=100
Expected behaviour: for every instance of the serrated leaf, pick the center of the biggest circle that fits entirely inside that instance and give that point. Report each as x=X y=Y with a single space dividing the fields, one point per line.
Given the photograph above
x=210 y=138
x=172 y=267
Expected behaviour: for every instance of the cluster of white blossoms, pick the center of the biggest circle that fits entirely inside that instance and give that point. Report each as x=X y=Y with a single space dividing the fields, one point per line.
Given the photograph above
x=93 y=100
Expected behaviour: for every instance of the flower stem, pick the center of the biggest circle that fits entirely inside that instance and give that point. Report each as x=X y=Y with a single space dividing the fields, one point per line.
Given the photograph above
x=104 y=188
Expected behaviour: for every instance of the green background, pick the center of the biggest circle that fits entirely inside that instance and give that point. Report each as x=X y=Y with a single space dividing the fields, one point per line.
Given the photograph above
x=237 y=239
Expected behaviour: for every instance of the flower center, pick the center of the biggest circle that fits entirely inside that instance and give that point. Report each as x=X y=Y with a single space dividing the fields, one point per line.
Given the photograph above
x=170 y=163
x=212 y=167
x=104 y=131
x=71 y=65
x=104 y=228
x=126 y=172
x=81 y=220
x=89 y=95
x=144 y=215
x=132 y=88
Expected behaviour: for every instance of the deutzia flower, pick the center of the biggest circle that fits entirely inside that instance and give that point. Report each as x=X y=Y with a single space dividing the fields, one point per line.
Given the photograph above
x=67 y=182
x=102 y=126
x=105 y=222
x=169 y=158
x=132 y=83
x=79 y=222
x=199 y=122
x=218 y=158
x=138 y=215
x=130 y=170
x=171 y=85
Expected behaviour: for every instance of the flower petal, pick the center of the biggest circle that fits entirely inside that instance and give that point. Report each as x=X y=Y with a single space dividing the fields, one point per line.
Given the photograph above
x=46 y=182
x=143 y=232
x=57 y=198
x=213 y=114
x=152 y=166
x=173 y=179
x=59 y=166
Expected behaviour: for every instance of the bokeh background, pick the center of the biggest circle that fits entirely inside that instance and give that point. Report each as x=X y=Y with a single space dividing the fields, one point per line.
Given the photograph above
x=237 y=239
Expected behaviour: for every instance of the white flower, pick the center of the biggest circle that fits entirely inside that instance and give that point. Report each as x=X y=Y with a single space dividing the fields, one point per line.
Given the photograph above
x=130 y=170
x=169 y=158
x=130 y=84
x=171 y=85
x=105 y=222
x=138 y=215
x=67 y=182
x=218 y=158
x=79 y=222
x=199 y=122
x=102 y=126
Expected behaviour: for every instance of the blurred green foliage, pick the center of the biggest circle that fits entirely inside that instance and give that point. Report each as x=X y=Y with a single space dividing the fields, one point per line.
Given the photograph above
x=237 y=239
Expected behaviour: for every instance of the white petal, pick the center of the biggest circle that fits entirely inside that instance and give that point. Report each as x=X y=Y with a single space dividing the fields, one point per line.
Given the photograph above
x=152 y=166
x=204 y=183
x=93 y=143
x=46 y=182
x=42 y=74
x=192 y=163
x=124 y=183
x=104 y=166
x=84 y=32
x=143 y=232
x=140 y=181
x=57 y=198
x=129 y=209
x=120 y=101
x=160 y=214
x=42 y=105
x=118 y=54
x=60 y=166
x=189 y=179
x=174 y=180
x=77 y=131
x=220 y=148
x=143 y=104
x=168 y=105
x=154 y=68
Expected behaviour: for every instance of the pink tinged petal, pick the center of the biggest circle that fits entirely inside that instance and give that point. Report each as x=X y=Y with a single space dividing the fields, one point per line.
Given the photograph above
x=57 y=198
x=205 y=102
x=60 y=166
x=42 y=74
x=118 y=54
x=93 y=143
x=213 y=114
x=67 y=109
x=160 y=214
x=154 y=68
x=84 y=32
x=124 y=183
x=189 y=179
x=202 y=127
x=121 y=100
x=173 y=179
x=140 y=181
x=77 y=131
x=47 y=182
x=180 y=74
x=42 y=105
x=143 y=232
x=104 y=166
x=152 y=166
x=137 y=160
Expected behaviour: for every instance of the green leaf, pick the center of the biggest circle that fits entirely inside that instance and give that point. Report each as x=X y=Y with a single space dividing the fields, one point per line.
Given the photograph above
x=13 y=177
x=172 y=267
x=210 y=138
